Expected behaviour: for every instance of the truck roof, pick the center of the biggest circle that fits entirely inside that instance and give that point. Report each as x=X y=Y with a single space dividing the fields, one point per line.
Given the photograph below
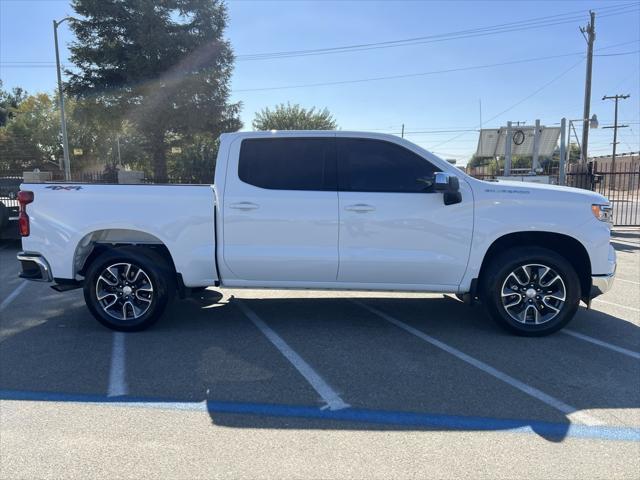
x=446 y=166
x=311 y=133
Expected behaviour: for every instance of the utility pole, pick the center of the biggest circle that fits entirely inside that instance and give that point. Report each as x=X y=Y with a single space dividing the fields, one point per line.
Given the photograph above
x=564 y=157
x=63 y=121
x=615 y=127
x=535 y=164
x=590 y=30
x=402 y=134
x=507 y=150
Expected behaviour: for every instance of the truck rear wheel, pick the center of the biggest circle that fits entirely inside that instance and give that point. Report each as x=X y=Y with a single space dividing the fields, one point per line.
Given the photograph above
x=531 y=291
x=127 y=289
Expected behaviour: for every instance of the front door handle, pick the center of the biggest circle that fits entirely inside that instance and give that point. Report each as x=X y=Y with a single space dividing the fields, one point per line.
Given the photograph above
x=244 y=206
x=360 y=208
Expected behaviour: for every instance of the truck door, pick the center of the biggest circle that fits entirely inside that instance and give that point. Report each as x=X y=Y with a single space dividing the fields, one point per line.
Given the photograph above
x=281 y=210
x=394 y=229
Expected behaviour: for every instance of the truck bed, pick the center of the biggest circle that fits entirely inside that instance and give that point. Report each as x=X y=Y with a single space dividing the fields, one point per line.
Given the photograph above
x=181 y=217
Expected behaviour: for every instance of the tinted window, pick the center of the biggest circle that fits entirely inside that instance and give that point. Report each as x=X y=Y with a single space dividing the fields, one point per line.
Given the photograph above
x=288 y=163
x=378 y=166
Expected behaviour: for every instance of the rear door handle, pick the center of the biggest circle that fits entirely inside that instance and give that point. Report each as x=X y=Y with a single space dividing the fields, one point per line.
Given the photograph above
x=360 y=208
x=244 y=206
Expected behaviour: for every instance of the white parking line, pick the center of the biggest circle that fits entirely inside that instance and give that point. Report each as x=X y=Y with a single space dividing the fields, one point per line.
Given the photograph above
x=330 y=396
x=508 y=379
x=118 y=371
x=627 y=281
x=12 y=296
x=601 y=343
x=633 y=309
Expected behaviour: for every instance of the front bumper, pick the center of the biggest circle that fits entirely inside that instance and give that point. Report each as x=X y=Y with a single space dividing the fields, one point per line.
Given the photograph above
x=603 y=283
x=34 y=267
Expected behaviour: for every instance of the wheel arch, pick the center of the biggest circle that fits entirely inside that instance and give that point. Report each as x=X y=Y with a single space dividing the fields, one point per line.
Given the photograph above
x=96 y=242
x=570 y=248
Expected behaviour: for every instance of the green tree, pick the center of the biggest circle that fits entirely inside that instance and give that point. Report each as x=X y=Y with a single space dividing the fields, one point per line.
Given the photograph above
x=294 y=117
x=477 y=161
x=31 y=135
x=161 y=66
x=9 y=102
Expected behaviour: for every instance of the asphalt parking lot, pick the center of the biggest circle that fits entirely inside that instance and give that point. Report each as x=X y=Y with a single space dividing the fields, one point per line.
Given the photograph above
x=258 y=384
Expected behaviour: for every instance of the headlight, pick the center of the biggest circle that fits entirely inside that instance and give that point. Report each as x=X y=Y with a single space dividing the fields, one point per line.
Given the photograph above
x=602 y=213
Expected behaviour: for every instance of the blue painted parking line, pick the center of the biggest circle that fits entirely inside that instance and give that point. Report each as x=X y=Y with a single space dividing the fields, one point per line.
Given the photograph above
x=356 y=415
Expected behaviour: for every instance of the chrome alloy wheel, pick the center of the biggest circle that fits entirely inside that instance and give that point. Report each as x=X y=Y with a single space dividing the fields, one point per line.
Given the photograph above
x=124 y=291
x=533 y=294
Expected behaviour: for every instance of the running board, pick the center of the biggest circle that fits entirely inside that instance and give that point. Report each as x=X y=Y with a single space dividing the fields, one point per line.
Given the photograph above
x=65 y=287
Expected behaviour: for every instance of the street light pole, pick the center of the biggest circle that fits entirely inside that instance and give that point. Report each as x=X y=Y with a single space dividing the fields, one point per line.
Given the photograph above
x=591 y=122
x=63 y=121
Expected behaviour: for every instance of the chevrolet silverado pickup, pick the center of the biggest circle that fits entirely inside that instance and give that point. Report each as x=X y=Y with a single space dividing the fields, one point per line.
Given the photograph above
x=322 y=210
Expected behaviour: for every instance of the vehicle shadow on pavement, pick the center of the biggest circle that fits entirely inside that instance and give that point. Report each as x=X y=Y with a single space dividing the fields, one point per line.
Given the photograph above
x=206 y=354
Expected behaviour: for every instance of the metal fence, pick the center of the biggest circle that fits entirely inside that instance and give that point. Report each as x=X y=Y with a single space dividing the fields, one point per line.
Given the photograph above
x=10 y=180
x=620 y=185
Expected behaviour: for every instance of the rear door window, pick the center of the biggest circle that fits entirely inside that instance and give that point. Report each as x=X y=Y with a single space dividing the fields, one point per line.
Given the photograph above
x=289 y=163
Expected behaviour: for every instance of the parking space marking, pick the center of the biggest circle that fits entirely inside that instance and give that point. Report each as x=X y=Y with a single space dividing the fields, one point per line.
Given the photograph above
x=508 y=379
x=627 y=281
x=117 y=371
x=633 y=309
x=601 y=343
x=12 y=296
x=328 y=394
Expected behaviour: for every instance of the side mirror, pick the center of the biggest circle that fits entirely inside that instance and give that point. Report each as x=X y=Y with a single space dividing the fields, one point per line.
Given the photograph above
x=449 y=185
x=441 y=181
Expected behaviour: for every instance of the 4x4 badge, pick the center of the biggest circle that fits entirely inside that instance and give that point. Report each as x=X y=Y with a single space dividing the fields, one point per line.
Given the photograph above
x=64 y=187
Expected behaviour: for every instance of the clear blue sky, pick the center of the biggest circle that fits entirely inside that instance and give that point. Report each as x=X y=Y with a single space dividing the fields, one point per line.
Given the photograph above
x=443 y=101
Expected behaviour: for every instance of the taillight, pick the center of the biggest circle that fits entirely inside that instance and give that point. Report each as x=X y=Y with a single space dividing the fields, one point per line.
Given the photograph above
x=24 y=198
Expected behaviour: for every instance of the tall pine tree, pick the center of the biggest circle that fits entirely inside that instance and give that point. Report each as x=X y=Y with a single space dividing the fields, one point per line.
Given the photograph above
x=161 y=65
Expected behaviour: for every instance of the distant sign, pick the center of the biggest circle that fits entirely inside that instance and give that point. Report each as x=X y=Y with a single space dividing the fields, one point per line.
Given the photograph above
x=176 y=150
x=78 y=151
x=492 y=141
x=519 y=137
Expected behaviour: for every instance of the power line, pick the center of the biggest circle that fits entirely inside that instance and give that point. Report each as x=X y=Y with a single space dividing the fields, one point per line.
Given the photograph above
x=537 y=22
x=616 y=54
x=532 y=94
x=419 y=74
x=406 y=75
x=49 y=64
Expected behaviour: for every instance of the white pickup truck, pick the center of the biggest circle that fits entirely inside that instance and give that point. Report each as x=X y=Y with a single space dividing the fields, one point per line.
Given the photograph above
x=322 y=210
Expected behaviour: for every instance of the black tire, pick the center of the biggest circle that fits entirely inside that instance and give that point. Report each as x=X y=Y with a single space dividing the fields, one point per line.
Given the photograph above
x=497 y=279
x=155 y=270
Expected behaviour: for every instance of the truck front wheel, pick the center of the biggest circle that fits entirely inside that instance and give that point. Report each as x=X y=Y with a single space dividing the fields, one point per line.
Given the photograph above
x=128 y=288
x=531 y=291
